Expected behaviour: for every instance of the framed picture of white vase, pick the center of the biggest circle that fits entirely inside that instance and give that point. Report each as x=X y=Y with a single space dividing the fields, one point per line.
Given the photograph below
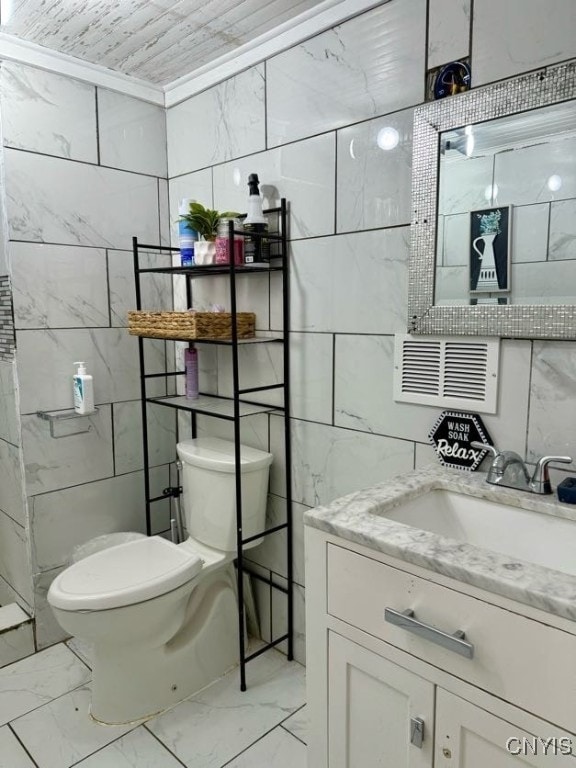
x=490 y=250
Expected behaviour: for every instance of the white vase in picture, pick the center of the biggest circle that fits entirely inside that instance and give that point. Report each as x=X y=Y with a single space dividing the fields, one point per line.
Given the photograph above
x=487 y=280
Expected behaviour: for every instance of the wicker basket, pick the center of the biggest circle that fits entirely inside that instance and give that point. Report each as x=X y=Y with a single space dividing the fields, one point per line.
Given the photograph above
x=190 y=325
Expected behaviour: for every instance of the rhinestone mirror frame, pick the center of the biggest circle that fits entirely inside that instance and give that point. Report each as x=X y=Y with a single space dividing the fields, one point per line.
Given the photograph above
x=542 y=88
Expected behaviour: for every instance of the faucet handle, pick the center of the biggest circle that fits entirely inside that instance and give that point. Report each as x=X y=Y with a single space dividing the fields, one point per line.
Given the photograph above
x=540 y=482
x=485 y=447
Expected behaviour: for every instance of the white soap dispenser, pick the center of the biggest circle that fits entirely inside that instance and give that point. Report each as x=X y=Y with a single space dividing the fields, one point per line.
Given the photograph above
x=83 y=390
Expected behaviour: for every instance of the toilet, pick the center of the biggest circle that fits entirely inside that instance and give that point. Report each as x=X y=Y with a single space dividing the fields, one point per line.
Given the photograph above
x=163 y=617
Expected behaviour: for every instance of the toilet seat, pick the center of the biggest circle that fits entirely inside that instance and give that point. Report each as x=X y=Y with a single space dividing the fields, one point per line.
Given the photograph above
x=124 y=575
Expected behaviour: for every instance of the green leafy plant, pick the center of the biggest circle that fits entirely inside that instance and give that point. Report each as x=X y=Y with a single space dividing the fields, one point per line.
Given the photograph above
x=205 y=220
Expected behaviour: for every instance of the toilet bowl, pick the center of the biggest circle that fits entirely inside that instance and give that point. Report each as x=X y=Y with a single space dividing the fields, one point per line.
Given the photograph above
x=162 y=616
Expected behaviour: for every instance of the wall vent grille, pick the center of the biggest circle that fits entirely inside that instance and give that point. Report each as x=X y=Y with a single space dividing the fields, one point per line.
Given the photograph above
x=447 y=372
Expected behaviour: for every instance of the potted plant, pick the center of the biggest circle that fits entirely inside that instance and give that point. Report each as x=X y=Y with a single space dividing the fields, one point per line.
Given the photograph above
x=205 y=222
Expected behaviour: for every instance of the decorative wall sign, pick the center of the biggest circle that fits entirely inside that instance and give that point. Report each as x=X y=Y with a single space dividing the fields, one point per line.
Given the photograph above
x=451 y=436
x=490 y=250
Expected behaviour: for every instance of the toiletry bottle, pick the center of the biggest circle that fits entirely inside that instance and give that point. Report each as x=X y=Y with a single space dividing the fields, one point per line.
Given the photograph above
x=223 y=243
x=256 y=247
x=191 y=368
x=186 y=235
x=83 y=390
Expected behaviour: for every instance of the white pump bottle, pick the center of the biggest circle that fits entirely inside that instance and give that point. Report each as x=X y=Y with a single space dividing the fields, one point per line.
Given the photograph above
x=83 y=390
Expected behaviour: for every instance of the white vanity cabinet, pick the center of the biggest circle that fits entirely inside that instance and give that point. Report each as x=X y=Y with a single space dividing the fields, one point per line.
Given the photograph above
x=381 y=696
x=374 y=708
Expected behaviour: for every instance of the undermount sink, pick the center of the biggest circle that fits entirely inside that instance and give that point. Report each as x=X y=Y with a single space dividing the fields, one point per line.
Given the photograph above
x=534 y=537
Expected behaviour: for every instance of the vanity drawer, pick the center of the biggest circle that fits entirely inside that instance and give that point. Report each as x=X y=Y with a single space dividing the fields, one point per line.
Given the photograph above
x=521 y=660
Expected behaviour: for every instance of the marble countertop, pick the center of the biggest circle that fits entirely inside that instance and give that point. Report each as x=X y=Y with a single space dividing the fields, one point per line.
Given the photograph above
x=360 y=517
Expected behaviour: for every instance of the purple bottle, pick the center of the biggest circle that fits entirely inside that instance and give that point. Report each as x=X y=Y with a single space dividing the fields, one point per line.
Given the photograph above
x=191 y=368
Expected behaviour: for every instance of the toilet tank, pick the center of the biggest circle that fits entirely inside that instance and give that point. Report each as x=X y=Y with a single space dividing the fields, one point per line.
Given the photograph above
x=209 y=491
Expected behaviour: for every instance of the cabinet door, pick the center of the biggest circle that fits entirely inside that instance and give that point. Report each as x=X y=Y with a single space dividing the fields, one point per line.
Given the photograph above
x=372 y=709
x=470 y=737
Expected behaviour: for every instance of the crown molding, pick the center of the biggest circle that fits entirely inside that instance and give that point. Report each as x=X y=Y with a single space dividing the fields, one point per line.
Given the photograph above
x=318 y=19
x=24 y=52
x=312 y=22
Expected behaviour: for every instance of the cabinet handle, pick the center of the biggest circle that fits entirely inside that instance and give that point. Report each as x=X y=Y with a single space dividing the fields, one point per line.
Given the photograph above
x=417 y=731
x=456 y=642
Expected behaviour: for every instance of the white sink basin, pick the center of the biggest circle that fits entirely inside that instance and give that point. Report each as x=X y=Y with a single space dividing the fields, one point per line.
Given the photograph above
x=534 y=537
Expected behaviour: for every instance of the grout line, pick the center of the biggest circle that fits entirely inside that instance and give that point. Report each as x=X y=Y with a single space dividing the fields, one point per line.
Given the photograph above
x=264 y=735
x=299 y=140
x=335 y=182
x=65 y=642
x=526 y=444
x=55 y=698
x=265 y=67
x=19 y=740
x=159 y=207
x=333 y=380
x=101 y=749
x=83 y=162
x=288 y=731
x=549 y=230
x=471 y=42
x=108 y=289
x=162 y=743
x=90 y=482
x=70 y=245
x=97 y=114
x=113 y=437
x=426 y=47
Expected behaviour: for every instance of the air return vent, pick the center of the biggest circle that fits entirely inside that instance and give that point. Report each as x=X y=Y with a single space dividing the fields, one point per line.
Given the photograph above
x=448 y=372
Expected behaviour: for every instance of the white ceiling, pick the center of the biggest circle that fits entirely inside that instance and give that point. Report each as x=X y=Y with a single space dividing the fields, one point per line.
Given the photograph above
x=155 y=40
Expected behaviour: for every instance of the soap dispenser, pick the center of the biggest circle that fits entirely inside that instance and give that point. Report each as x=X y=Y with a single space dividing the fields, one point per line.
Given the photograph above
x=83 y=390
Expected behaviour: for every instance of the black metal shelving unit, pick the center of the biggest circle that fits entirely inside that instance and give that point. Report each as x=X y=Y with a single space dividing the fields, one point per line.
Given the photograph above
x=232 y=409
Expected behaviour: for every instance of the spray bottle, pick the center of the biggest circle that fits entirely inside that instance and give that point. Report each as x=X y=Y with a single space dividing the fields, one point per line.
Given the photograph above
x=186 y=235
x=256 y=247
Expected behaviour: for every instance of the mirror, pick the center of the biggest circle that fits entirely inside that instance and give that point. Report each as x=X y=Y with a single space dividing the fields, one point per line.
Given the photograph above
x=494 y=226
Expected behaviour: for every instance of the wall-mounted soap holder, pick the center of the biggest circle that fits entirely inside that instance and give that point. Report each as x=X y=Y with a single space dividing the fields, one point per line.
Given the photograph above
x=54 y=417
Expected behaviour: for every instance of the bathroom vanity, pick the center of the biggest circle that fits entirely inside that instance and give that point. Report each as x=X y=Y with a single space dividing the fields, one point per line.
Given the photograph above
x=429 y=647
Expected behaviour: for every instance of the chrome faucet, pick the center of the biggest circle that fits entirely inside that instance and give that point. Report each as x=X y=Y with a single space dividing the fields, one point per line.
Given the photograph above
x=509 y=470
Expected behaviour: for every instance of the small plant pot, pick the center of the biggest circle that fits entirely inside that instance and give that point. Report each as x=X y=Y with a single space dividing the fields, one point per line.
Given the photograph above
x=204 y=252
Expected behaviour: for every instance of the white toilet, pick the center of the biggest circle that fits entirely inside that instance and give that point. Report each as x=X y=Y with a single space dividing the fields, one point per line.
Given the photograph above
x=163 y=617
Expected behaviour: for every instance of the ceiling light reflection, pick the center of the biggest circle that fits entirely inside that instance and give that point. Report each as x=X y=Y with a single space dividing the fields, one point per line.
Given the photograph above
x=554 y=182
x=491 y=192
x=387 y=138
x=6 y=9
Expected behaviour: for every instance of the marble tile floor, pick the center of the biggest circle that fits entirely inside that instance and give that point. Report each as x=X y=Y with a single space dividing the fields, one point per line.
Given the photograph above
x=44 y=720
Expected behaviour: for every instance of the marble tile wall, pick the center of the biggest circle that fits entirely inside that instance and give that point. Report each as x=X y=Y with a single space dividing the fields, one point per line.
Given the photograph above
x=315 y=127
x=314 y=122
x=85 y=169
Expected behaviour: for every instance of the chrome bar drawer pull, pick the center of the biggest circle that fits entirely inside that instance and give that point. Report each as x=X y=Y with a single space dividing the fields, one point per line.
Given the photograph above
x=416 y=731
x=456 y=642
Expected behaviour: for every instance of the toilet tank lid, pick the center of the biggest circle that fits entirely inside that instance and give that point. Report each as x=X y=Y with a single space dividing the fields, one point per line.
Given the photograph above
x=218 y=455
x=123 y=575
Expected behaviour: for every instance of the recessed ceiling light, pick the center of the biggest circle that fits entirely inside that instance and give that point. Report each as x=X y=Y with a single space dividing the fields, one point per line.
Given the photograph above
x=554 y=182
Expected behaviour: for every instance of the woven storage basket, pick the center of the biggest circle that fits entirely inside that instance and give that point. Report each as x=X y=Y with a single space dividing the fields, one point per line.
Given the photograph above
x=190 y=325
